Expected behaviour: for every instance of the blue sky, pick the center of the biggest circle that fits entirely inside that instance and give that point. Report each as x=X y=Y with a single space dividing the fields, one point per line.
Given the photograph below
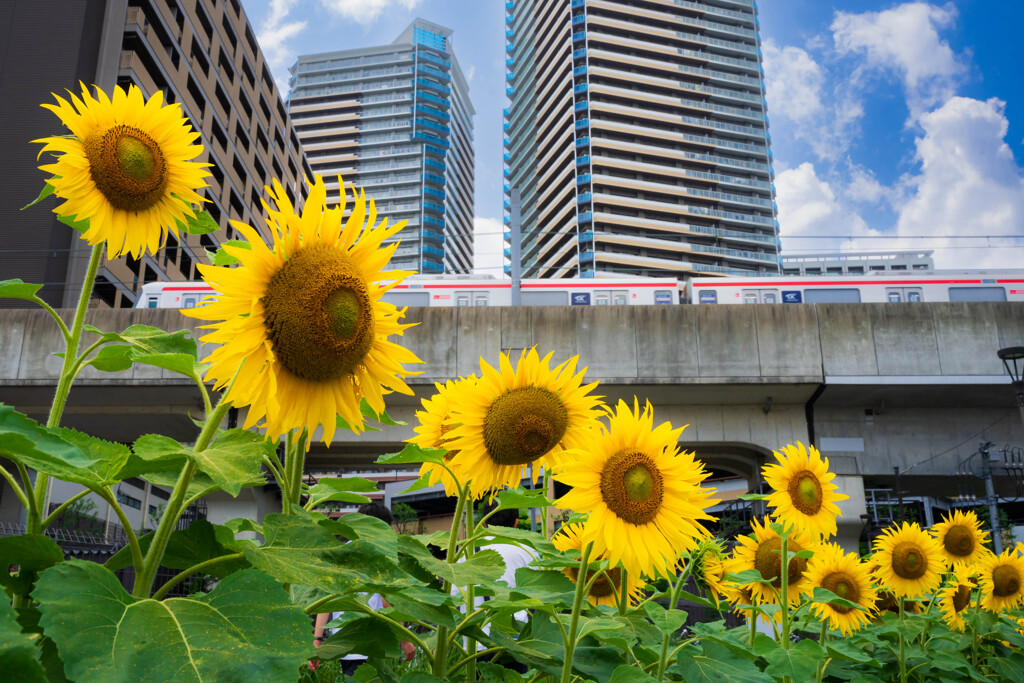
x=894 y=125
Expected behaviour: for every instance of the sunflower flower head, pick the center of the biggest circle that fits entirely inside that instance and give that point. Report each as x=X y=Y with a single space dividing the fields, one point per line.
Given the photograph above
x=1001 y=578
x=644 y=497
x=125 y=167
x=301 y=324
x=511 y=419
x=961 y=538
x=908 y=561
x=762 y=551
x=803 y=494
x=955 y=597
x=432 y=432
x=847 y=577
x=708 y=567
x=606 y=589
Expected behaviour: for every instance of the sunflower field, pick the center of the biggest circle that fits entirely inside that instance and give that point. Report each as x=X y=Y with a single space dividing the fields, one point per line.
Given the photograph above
x=304 y=343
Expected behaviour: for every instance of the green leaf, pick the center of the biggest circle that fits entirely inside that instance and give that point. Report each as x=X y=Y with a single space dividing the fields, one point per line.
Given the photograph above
x=630 y=674
x=717 y=665
x=799 y=662
x=113 y=358
x=370 y=414
x=551 y=588
x=47 y=190
x=413 y=454
x=201 y=224
x=360 y=634
x=234 y=459
x=66 y=454
x=753 y=496
x=17 y=650
x=198 y=542
x=243 y=630
x=16 y=289
x=76 y=225
x=745 y=577
x=483 y=568
x=298 y=550
x=340 y=489
x=513 y=499
x=221 y=257
x=32 y=554
x=522 y=537
x=668 y=621
x=827 y=597
x=802 y=555
x=361 y=527
x=242 y=524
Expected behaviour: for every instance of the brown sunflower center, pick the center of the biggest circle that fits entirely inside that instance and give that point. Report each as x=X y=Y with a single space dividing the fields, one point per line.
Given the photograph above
x=959 y=541
x=318 y=314
x=524 y=424
x=632 y=487
x=768 y=561
x=961 y=598
x=1005 y=581
x=909 y=561
x=607 y=585
x=843 y=585
x=805 y=492
x=127 y=166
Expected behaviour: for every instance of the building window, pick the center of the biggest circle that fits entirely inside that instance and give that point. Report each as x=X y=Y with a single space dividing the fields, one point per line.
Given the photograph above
x=129 y=501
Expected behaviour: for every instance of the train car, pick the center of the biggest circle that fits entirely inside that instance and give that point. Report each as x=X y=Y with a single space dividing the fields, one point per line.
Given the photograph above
x=887 y=286
x=458 y=290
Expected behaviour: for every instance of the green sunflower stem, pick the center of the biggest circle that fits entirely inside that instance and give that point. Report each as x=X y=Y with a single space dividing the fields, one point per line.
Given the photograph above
x=577 y=606
x=903 y=645
x=784 y=592
x=821 y=641
x=146 y=574
x=623 y=591
x=40 y=491
x=439 y=664
x=470 y=603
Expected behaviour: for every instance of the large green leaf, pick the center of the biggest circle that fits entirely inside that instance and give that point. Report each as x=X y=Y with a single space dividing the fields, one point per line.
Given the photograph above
x=66 y=454
x=361 y=527
x=113 y=358
x=413 y=454
x=222 y=257
x=365 y=635
x=201 y=224
x=32 y=554
x=717 y=665
x=340 y=489
x=630 y=674
x=513 y=499
x=18 y=663
x=16 y=289
x=174 y=351
x=799 y=662
x=298 y=550
x=668 y=621
x=485 y=567
x=199 y=542
x=244 y=630
x=552 y=588
x=234 y=459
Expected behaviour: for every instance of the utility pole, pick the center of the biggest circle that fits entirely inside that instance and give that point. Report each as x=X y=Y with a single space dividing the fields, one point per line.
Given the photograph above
x=899 y=492
x=990 y=494
x=515 y=237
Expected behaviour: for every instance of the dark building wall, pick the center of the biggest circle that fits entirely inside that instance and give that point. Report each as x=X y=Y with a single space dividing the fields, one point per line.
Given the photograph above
x=45 y=47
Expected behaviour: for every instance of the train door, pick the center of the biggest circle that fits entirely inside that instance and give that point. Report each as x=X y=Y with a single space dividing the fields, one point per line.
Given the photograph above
x=760 y=296
x=901 y=294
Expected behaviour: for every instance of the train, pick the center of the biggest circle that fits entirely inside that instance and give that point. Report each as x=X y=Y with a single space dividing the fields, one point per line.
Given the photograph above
x=469 y=290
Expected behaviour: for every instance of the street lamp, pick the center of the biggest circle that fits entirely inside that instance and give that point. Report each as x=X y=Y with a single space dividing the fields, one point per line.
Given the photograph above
x=1013 y=361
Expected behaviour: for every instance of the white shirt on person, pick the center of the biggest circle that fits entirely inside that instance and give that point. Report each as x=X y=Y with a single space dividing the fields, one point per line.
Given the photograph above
x=514 y=557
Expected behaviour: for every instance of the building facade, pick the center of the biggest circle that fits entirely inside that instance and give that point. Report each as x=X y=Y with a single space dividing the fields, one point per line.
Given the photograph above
x=637 y=134
x=396 y=120
x=857 y=262
x=203 y=55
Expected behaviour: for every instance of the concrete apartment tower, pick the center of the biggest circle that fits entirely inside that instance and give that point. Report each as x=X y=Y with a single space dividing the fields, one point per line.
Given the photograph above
x=203 y=55
x=637 y=134
x=396 y=120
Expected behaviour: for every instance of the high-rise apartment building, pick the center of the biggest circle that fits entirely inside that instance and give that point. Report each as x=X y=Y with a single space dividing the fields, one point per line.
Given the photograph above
x=396 y=120
x=637 y=134
x=200 y=53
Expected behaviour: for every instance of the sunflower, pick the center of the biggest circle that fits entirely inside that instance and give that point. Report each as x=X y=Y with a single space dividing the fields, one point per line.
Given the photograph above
x=432 y=432
x=736 y=594
x=643 y=496
x=961 y=538
x=510 y=419
x=708 y=568
x=956 y=596
x=762 y=551
x=125 y=167
x=606 y=589
x=849 y=578
x=303 y=325
x=909 y=562
x=887 y=602
x=804 y=494
x=1001 y=580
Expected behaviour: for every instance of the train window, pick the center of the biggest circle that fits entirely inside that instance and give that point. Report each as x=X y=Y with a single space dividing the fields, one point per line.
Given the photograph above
x=977 y=294
x=750 y=297
x=462 y=300
x=480 y=299
x=152 y=302
x=602 y=298
x=898 y=294
x=832 y=296
x=760 y=296
x=770 y=298
x=662 y=296
x=914 y=295
x=894 y=296
x=620 y=298
x=418 y=298
x=189 y=301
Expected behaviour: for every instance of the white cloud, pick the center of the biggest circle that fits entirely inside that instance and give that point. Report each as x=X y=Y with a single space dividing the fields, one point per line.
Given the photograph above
x=863 y=186
x=275 y=32
x=809 y=206
x=793 y=80
x=488 y=246
x=905 y=39
x=366 y=11
x=969 y=184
